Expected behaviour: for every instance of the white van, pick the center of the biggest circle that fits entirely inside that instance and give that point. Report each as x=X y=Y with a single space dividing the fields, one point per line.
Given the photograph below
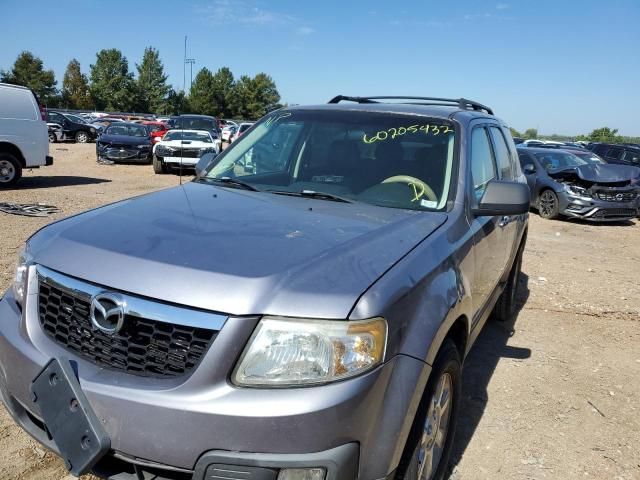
x=24 y=139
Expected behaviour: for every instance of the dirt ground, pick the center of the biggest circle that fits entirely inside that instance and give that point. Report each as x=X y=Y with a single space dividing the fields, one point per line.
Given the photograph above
x=555 y=395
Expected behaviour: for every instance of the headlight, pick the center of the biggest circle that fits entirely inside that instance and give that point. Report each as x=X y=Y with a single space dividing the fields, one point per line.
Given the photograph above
x=295 y=352
x=20 y=280
x=92 y=130
x=578 y=191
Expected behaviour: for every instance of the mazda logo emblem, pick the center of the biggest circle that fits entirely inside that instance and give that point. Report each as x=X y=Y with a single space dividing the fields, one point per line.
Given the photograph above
x=107 y=312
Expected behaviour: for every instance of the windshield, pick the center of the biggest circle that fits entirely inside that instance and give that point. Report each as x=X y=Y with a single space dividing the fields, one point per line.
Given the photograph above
x=195 y=123
x=75 y=118
x=192 y=136
x=559 y=160
x=128 y=130
x=589 y=157
x=389 y=160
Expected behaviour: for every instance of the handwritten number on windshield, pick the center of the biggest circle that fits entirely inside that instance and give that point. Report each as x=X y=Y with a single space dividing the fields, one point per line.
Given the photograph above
x=394 y=132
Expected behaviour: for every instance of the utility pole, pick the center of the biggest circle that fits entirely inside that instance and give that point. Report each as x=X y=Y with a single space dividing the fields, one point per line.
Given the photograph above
x=190 y=61
x=184 y=67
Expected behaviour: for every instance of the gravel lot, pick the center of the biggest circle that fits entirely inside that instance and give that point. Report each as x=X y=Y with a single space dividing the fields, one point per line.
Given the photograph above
x=556 y=395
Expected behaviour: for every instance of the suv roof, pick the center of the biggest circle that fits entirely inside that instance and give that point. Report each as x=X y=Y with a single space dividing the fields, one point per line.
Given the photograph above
x=424 y=106
x=14 y=86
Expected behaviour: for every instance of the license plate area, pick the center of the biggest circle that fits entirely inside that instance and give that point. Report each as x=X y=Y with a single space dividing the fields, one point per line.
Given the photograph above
x=75 y=428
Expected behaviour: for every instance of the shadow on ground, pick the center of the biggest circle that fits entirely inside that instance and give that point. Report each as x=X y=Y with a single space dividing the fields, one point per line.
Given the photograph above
x=490 y=347
x=29 y=182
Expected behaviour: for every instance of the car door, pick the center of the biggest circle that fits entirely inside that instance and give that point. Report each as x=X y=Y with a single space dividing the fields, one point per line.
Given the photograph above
x=506 y=168
x=488 y=237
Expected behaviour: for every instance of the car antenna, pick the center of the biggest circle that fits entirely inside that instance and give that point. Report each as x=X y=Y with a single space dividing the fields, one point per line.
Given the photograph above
x=181 y=149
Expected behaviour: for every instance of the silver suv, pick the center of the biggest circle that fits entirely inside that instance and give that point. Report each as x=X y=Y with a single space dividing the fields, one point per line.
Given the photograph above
x=300 y=311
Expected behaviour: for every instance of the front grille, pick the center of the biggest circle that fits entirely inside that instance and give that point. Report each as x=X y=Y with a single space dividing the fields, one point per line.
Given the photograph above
x=189 y=152
x=142 y=347
x=611 y=213
x=617 y=196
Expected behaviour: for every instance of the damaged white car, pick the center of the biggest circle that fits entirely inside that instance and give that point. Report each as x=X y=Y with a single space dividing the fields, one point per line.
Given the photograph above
x=181 y=149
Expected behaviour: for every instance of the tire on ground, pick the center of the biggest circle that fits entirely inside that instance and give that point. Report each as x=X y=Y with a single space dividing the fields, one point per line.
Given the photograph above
x=14 y=167
x=158 y=166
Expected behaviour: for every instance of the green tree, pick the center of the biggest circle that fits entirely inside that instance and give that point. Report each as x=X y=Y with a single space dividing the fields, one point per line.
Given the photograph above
x=530 y=133
x=255 y=97
x=112 y=85
x=177 y=103
x=28 y=70
x=75 y=87
x=152 y=82
x=223 y=85
x=605 y=134
x=202 y=97
x=514 y=132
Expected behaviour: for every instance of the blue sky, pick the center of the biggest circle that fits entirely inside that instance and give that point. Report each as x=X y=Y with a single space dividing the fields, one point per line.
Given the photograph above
x=563 y=66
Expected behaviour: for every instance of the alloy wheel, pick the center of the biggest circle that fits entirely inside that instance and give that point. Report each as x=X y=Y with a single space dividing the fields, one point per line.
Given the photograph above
x=82 y=137
x=436 y=428
x=547 y=204
x=7 y=171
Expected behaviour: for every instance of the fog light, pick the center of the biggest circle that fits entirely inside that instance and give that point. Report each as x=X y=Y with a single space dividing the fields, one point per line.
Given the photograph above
x=301 y=474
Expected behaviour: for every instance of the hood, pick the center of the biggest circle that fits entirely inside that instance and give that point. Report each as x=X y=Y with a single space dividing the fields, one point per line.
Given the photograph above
x=124 y=140
x=600 y=173
x=235 y=251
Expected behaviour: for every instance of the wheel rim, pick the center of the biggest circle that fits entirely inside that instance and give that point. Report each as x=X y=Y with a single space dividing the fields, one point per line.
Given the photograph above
x=7 y=171
x=82 y=137
x=52 y=138
x=436 y=428
x=547 y=204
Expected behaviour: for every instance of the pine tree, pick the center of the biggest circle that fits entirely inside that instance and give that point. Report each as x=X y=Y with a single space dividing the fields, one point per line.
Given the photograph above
x=152 y=82
x=29 y=71
x=75 y=87
x=112 y=85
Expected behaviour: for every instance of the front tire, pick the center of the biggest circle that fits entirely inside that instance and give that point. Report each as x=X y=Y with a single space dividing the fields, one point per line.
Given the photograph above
x=82 y=137
x=431 y=438
x=10 y=170
x=52 y=137
x=158 y=166
x=548 y=205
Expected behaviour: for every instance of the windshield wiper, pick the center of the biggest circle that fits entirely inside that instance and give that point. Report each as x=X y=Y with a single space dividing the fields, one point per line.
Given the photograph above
x=312 y=194
x=231 y=182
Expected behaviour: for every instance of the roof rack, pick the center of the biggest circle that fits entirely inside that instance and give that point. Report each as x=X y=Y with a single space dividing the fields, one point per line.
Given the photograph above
x=462 y=103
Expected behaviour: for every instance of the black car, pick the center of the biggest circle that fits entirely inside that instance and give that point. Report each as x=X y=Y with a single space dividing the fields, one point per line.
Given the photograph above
x=617 y=153
x=563 y=184
x=196 y=122
x=73 y=127
x=125 y=142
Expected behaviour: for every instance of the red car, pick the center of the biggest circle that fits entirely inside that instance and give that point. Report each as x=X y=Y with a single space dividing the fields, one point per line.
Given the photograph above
x=156 y=130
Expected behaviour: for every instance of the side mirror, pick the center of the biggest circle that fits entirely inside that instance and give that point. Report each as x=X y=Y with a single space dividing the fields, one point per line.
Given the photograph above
x=504 y=198
x=529 y=168
x=204 y=163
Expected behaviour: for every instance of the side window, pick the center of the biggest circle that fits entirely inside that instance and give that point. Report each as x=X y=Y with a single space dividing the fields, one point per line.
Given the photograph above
x=503 y=155
x=632 y=156
x=55 y=117
x=483 y=167
x=615 y=153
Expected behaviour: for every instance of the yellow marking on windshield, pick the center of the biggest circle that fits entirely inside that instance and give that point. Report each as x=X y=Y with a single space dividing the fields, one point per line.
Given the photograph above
x=394 y=132
x=417 y=196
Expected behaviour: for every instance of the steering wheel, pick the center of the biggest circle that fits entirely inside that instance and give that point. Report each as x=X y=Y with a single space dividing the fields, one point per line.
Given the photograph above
x=421 y=189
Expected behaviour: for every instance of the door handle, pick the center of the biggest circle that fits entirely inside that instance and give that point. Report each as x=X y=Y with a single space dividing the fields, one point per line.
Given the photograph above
x=504 y=221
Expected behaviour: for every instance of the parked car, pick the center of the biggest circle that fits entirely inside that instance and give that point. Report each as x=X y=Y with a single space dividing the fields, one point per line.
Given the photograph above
x=55 y=132
x=125 y=142
x=157 y=130
x=73 y=127
x=563 y=184
x=196 y=122
x=24 y=139
x=182 y=149
x=228 y=132
x=243 y=127
x=617 y=153
x=305 y=322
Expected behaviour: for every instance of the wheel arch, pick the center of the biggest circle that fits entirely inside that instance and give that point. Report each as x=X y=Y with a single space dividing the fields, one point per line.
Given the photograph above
x=6 y=147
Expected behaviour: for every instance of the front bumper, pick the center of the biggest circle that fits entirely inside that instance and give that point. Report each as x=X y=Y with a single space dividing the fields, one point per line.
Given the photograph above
x=171 y=425
x=124 y=154
x=596 y=210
